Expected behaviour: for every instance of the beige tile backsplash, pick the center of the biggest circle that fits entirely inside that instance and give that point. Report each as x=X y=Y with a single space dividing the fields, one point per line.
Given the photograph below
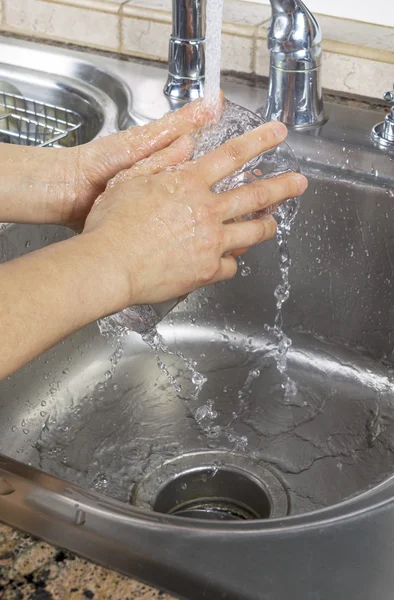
x=358 y=57
x=78 y=22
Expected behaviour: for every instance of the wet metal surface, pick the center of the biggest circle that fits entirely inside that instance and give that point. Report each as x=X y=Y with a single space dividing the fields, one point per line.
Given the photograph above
x=333 y=441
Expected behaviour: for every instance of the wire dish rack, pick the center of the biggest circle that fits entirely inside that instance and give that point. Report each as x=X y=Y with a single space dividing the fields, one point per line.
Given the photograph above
x=30 y=123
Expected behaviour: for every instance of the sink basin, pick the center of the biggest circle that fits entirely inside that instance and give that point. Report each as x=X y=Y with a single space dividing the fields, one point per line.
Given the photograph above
x=100 y=99
x=195 y=489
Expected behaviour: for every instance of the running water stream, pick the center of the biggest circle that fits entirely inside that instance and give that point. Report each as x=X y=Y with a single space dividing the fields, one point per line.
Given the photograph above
x=285 y=216
x=234 y=121
x=213 y=52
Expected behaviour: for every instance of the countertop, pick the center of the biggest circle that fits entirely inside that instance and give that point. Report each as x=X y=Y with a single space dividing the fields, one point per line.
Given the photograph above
x=33 y=570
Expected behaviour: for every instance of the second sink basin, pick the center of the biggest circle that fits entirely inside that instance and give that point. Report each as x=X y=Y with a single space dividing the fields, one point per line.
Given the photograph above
x=48 y=76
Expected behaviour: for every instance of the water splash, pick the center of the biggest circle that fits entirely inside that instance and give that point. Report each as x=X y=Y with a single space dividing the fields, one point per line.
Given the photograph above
x=156 y=342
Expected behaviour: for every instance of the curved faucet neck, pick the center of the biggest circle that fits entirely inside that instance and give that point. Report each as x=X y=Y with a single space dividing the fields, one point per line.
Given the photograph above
x=293 y=27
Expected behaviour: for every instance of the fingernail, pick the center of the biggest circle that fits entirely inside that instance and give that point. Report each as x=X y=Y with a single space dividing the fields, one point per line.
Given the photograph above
x=279 y=129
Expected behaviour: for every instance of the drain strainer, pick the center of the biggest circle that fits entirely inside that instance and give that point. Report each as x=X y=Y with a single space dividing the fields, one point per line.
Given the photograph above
x=213 y=486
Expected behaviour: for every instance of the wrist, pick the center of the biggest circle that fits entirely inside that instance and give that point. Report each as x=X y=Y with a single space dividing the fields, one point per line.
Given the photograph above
x=37 y=184
x=107 y=283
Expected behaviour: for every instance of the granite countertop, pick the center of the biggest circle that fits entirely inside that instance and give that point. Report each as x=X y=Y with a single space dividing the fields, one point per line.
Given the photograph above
x=33 y=570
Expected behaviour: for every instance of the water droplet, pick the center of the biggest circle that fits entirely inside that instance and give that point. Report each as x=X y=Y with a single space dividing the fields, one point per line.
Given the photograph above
x=201 y=413
x=198 y=378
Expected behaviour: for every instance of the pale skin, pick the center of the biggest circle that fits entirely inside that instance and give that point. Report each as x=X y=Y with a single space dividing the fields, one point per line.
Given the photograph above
x=147 y=233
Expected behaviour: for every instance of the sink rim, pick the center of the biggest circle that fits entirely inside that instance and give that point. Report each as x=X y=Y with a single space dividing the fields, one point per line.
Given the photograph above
x=12 y=470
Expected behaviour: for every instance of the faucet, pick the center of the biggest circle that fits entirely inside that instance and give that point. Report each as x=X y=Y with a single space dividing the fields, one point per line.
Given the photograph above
x=186 y=60
x=294 y=90
x=294 y=41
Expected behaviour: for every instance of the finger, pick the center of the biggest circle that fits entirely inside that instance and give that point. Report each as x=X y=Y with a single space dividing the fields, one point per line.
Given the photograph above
x=122 y=150
x=234 y=153
x=205 y=113
x=178 y=152
x=228 y=269
x=247 y=233
x=261 y=195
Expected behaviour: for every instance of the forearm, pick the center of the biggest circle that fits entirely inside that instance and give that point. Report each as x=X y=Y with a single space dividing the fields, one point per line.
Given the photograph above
x=49 y=294
x=36 y=184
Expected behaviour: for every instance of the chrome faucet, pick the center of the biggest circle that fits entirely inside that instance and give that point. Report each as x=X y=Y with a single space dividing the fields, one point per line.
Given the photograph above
x=294 y=41
x=186 y=60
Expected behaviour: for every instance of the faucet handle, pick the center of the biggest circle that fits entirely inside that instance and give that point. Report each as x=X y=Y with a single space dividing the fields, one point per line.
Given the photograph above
x=389 y=97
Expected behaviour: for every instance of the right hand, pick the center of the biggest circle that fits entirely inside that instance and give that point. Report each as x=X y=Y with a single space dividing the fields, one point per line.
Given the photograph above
x=166 y=232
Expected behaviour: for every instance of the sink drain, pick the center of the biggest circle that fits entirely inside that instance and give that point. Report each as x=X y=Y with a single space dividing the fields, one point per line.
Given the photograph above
x=213 y=486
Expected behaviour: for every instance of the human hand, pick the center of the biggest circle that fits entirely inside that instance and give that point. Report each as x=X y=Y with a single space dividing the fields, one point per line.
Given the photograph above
x=167 y=234
x=59 y=185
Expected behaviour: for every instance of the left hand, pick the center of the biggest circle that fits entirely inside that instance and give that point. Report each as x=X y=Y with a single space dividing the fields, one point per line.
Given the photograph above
x=50 y=185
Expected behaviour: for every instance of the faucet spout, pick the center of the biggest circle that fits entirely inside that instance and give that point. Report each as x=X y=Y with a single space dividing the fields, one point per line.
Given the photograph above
x=294 y=41
x=186 y=62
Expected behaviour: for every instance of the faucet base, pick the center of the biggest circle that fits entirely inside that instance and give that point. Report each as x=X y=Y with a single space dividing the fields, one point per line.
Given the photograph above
x=295 y=98
x=183 y=89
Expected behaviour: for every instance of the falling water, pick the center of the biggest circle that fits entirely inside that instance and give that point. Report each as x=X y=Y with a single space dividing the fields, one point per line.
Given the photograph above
x=213 y=51
x=285 y=216
x=156 y=342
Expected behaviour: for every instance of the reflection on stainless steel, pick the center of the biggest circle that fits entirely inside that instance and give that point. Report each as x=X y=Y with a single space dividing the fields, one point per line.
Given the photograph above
x=326 y=459
x=294 y=41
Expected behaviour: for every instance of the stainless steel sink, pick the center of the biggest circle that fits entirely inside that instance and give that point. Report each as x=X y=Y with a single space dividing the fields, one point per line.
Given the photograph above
x=52 y=77
x=235 y=493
